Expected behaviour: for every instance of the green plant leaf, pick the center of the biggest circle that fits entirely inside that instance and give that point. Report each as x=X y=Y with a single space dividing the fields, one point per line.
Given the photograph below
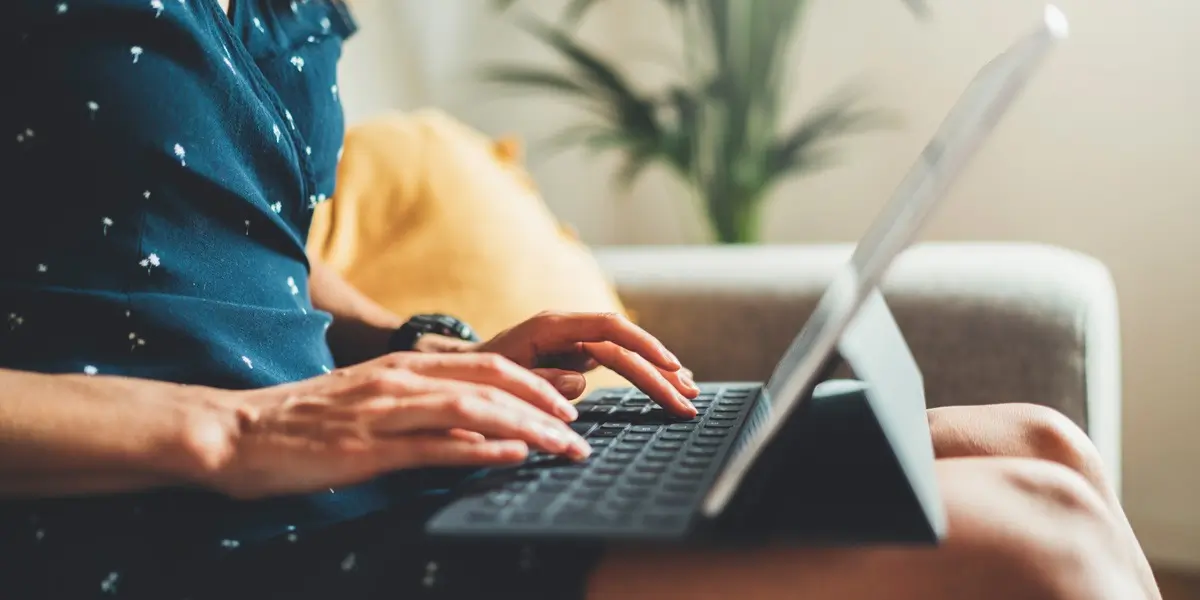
x=533 y=77
x=835 y=117
x=595 y=138
x=631 y=112
x=576 y=9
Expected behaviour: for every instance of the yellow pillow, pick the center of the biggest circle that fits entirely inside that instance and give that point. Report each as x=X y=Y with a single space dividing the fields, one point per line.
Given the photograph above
x=432 y=216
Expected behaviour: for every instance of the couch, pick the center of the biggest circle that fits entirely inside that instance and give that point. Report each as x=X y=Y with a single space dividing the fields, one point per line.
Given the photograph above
x=987 y=323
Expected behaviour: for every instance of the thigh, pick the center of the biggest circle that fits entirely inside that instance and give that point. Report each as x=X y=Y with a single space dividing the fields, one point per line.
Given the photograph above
x=1018 y=529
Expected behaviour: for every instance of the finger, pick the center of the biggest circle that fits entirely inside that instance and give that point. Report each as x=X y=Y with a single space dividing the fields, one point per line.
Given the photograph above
x=484 y=412
x=499 y=372
x=568 y=383
x=431 y=450
x=644 y=376
x=385 y=391
x=560 y=332
x=467 y=436
x=389 y=384
x=682 y=381
x=577 y=359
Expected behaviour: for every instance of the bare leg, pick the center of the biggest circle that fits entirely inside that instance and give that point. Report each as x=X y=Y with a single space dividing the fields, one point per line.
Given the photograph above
x=1031 y=431
x=1019 y=528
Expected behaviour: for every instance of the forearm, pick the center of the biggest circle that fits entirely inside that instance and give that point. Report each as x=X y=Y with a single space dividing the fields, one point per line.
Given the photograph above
x=72 y=434
x=361 y=327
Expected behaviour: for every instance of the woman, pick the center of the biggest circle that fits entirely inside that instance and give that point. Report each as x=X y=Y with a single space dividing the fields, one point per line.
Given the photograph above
x=172 y=424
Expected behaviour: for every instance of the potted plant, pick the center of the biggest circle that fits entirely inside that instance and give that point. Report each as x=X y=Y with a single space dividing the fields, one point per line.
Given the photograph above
x=720 y=128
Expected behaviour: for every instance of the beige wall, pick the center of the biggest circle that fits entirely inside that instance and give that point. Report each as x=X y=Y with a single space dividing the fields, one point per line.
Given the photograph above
x=1102 y=155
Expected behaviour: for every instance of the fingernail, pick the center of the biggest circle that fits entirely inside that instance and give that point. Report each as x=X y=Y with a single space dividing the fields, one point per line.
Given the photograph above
x=674 y=360
x=553 y=438
x=515 y=447
x=582 y=449
x=570 y=385
x=568 y=412
x=688 y=404
x=690 y=383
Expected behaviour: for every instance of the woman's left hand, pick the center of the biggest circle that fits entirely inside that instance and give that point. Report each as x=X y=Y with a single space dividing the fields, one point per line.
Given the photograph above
x=562 y=346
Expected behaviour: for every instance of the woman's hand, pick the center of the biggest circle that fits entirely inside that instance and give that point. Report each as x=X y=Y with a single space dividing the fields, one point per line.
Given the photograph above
x=401 y=411
x=560 y=346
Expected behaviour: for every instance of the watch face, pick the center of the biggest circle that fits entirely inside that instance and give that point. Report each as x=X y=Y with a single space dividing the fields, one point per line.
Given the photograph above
x=447 y=326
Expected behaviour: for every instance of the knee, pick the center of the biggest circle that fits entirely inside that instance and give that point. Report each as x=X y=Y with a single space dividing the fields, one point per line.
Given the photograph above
x=1059 y=540
x=1015 y=430
x=1050 y=435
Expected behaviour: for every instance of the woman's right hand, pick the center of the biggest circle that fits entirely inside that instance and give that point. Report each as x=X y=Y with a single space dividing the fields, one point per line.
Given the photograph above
x=401 y=411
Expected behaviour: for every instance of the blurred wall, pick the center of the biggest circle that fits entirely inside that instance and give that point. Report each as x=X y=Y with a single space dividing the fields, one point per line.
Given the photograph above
x=1100 y=155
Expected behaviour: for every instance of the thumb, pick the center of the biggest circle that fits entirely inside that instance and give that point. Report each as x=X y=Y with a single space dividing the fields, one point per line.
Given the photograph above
x=568 y=383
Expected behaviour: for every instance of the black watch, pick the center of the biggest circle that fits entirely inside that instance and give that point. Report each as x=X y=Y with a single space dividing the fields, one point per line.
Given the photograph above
x=405 y=337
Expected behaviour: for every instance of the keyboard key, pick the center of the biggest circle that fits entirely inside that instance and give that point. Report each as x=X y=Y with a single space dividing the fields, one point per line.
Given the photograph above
x=720 y=423
x=681 y=427
x=626 y=412
x=620 y=505
x=611 y=433
x=635 y=401
x=608 y=469
x=595 y=413
x=574 y=505
x=673 y=500
x=481 y=516
x=623 y=447
x=667 y=445
x=642 y=478
x=687 y=474
x=616 y=457
x=637 y=438
x=500 y=499
x=681 y=487
x=582 y=427
x=633 y=492
x=644 y=429
x=552 y=486
x=654 y=456
x=536 y=502
x=598 y=481
x=695 y=462
x=705 y=451
x=600 y=442
x=589 y=494
x=650 y=467
x=674 y=436
x=714 y=433
x=707 y=442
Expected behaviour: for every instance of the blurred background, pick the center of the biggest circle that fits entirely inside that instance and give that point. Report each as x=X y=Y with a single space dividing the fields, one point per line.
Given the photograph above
x=1099 y=155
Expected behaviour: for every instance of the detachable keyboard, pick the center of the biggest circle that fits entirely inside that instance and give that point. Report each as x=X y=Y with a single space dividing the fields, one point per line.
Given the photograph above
x=645 y=478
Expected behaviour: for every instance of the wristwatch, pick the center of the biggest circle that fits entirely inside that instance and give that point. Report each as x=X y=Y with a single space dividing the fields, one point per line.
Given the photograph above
x=405 y=337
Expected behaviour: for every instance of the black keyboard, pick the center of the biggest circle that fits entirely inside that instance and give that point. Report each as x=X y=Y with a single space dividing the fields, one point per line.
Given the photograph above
x=646 y=475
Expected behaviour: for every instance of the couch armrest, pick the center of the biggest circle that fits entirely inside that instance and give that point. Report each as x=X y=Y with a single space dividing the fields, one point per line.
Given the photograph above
x=988 y=323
